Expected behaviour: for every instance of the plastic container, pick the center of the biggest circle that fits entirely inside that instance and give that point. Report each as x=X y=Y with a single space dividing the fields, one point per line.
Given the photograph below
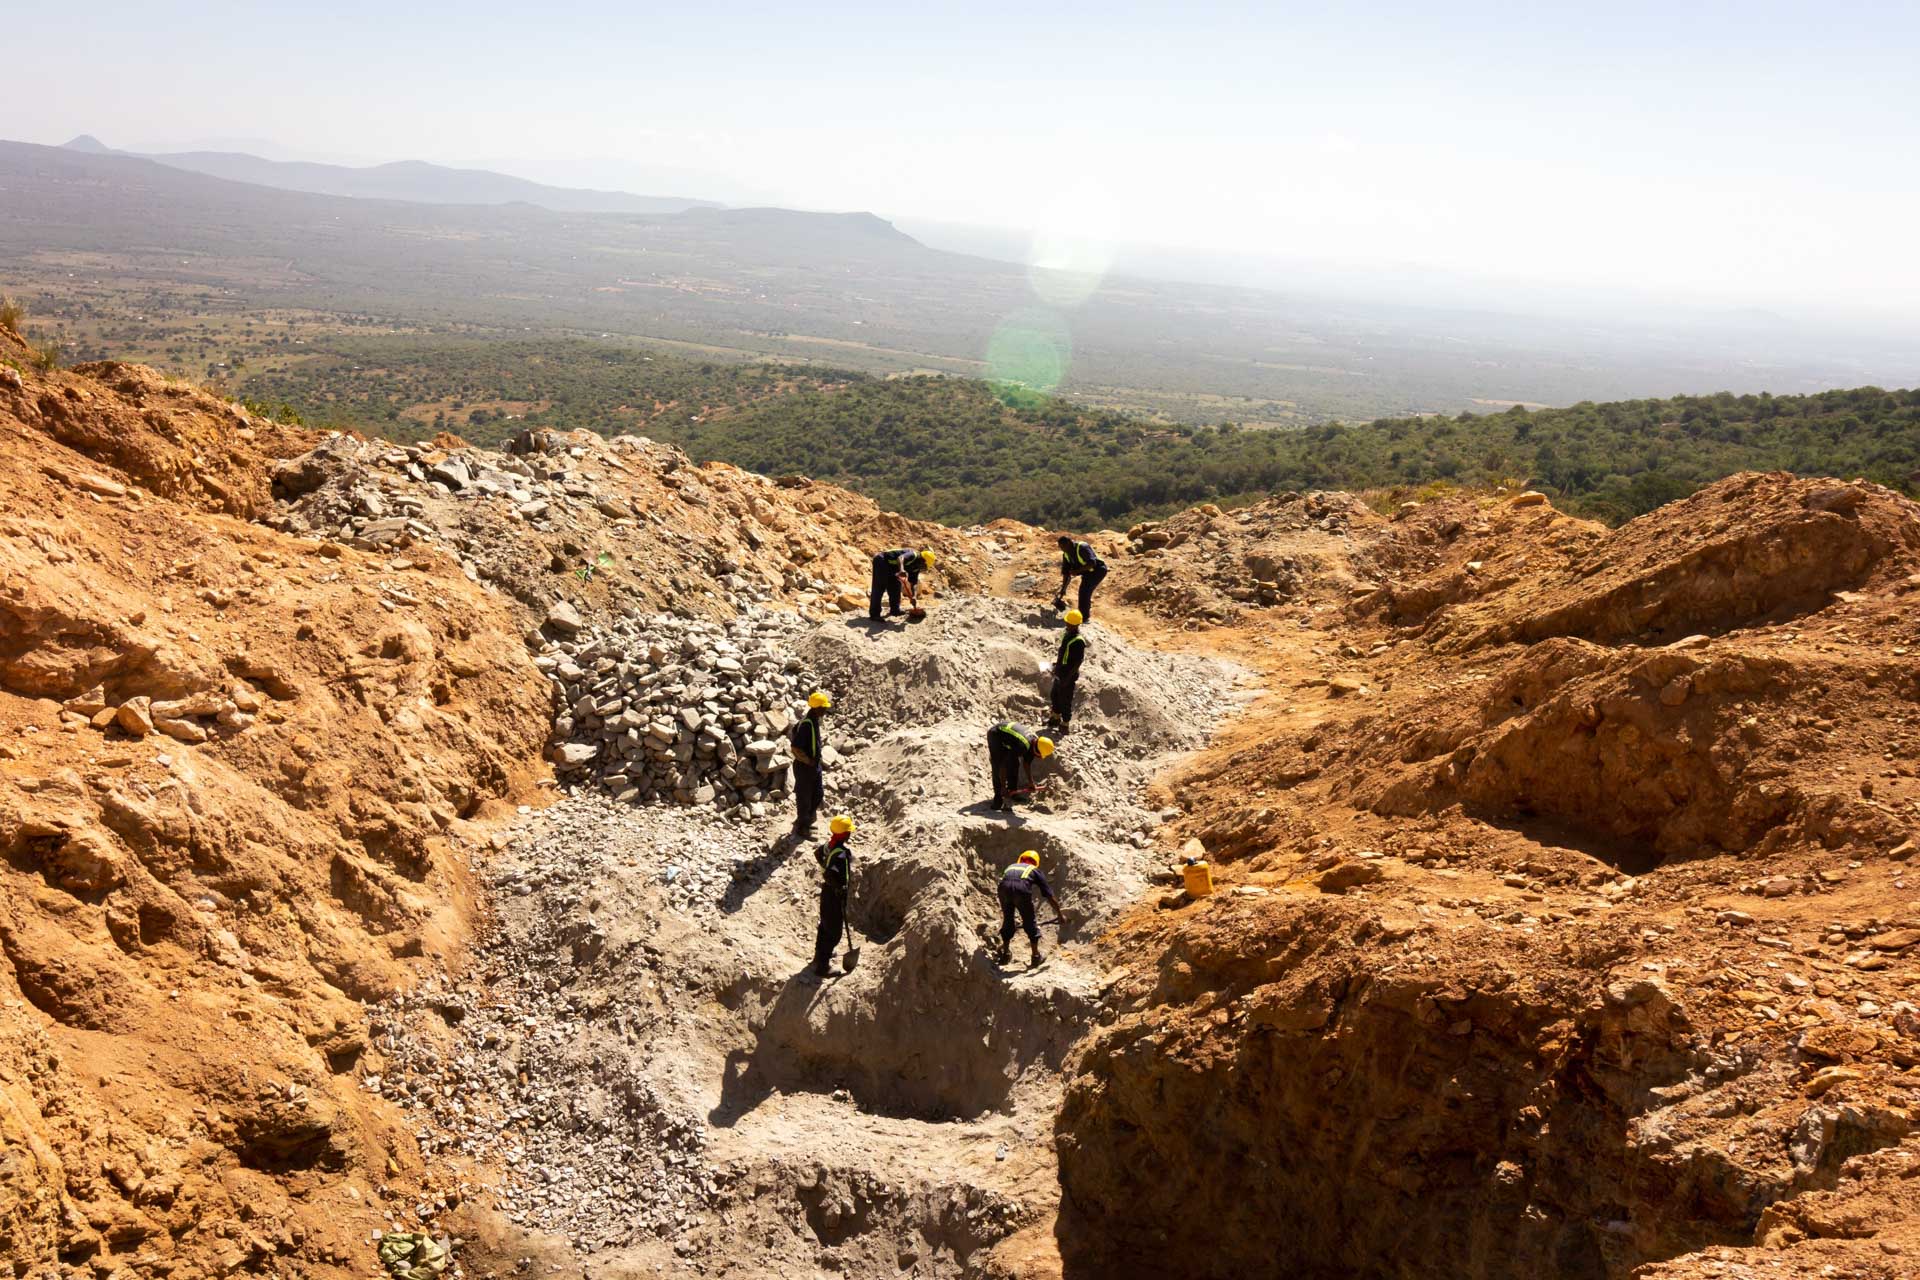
x=1199 y=878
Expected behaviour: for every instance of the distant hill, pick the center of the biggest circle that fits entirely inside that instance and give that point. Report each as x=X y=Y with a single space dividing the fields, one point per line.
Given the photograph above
x=411 y=180
x=182 y=264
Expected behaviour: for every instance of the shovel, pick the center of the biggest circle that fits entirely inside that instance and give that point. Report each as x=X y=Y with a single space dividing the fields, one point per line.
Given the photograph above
x=853 y=952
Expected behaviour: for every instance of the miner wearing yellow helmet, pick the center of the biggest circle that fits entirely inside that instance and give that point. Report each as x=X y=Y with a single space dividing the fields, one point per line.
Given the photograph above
x=1079 y=560
x=1018 y=884
x=836 y=878
x=894 y=571
x=1066 y=671
x=1011 y=751
x=808 y=745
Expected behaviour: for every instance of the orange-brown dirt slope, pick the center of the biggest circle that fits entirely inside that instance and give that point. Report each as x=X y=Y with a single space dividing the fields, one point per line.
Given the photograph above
x=243 y=769
x=1567 y=920
x=228 y=764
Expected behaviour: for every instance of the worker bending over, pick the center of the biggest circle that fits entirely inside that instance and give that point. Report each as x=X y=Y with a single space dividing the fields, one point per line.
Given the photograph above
x=1079 y=560
x=893 y=572
x=1018 y=884
x=836 y=876
x=807 y=744
x=1066 y=670
x=1011 y=751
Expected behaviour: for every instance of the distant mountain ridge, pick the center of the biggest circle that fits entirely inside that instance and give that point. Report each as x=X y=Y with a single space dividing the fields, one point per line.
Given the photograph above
x=414 y=181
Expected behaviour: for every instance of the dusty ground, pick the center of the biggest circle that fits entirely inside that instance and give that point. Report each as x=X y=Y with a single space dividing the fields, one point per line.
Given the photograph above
x=893 y=1120
x=1568 y=911
x=242 y=773
x=1566 y=923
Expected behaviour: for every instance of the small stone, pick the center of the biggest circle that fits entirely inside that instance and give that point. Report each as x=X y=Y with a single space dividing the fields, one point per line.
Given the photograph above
x=134 y=717
x=181 y=730
x=453 y=473
x=1837 y=1042
x=1343 y=876
x=1827 y=1077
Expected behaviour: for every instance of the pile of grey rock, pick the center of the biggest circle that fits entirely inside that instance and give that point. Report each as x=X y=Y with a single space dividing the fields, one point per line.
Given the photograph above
x=587 y=1149
x=676 y=710
x=339 y=489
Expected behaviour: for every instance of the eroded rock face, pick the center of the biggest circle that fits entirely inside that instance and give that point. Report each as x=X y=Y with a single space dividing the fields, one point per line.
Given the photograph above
x=1473 y=1114
x=1619 y=984
x=233 y=772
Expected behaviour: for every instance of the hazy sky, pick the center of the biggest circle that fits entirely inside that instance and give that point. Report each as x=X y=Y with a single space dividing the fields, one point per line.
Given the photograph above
x=1754 y=152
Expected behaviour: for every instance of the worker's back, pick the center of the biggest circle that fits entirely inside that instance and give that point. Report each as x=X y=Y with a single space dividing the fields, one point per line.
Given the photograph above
x=1023 y=878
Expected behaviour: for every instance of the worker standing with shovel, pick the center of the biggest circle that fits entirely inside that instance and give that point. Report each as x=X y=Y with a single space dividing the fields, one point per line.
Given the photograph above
x=1079 y=560
x=808 y=746
x=1018 y=884
x=894 y=572
x=836 y=879
x=1066 y=671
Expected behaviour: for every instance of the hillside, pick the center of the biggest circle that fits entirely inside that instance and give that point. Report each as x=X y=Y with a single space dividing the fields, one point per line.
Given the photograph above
x=102 y=241
x=391 y=836
x=410 y=180
x=1566 y=921
x=250 y=752
x=959 y=451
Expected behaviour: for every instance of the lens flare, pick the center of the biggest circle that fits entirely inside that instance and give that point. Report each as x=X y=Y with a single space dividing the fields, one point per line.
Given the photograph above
x=1030 y=351
x=1065 y=269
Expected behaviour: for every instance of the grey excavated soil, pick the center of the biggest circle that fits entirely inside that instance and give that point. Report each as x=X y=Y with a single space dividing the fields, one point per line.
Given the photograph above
x=644 y=1010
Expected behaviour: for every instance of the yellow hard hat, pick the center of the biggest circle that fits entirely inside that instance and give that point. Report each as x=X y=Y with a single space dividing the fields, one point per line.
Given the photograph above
x=927 y=558
x=1046 y=747
x=1031 y=858
x=842 y=825
x=1075 y=617
x=818 y=698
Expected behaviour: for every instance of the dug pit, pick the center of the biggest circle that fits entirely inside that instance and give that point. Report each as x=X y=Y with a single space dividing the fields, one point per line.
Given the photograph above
x=640 y=1047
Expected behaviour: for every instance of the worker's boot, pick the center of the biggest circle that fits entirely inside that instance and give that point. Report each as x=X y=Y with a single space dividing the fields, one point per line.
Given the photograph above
x=1003 y=954
x=1037 y=957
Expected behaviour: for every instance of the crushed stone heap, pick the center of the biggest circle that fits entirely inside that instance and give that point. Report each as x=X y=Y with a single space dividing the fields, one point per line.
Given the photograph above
x=676 y=709
x=618 y=526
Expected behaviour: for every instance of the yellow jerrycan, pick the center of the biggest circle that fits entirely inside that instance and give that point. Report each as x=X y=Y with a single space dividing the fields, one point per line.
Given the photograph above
x=1199 y=878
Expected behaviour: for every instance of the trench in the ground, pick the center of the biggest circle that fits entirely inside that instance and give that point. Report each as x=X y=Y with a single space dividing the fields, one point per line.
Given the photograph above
x=925 y=1042
x=927 y=1025
x=1451 y=1124
x=924 y=1024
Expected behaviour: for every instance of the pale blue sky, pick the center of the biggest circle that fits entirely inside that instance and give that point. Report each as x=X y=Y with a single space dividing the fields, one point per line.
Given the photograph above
x=1756 y=153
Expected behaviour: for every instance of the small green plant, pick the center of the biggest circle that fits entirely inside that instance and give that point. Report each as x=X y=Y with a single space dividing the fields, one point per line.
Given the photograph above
x=280 y=412
x=46 y=356
x=11 y=314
